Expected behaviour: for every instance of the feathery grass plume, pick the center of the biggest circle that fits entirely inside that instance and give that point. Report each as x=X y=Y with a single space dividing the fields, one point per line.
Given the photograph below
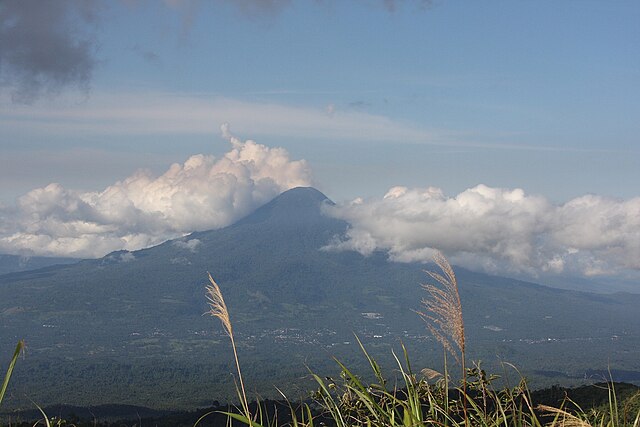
x=430 y=374
x=563 y=418
x=443 y=314
x=218 y=308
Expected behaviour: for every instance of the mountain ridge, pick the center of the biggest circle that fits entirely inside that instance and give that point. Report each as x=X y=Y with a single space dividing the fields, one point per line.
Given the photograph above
x=19 y=263
x=136 y=317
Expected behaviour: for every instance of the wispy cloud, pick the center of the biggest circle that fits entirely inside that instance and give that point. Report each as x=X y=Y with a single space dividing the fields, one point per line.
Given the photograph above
x=146 y=54
x=190 y=245
x=393 y=5
x=165 y=114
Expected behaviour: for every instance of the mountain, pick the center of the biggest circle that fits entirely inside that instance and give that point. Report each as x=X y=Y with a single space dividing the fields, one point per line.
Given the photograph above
x=17 y=263
x=129 y=328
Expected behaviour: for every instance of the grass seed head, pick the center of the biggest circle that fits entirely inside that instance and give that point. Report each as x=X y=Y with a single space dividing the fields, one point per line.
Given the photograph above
x=217 y=306
x=443 y=309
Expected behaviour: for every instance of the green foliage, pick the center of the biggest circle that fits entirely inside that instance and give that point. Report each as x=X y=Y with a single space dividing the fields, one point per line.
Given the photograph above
x=411 y=400
x=7 y=377
x=415 y=401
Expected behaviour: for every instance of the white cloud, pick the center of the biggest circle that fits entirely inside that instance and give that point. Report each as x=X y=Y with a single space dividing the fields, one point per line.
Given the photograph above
x=190 y=245
x=152 y=113
x=149 y=113
x=127 y=257
x=496 y=229
x=203 y=193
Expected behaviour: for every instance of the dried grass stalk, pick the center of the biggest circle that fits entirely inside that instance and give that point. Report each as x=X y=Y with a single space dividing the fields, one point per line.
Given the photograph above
x=431 y=374
x=443 y=310
x=218 y=308
x=443 y=316
x=563 y=418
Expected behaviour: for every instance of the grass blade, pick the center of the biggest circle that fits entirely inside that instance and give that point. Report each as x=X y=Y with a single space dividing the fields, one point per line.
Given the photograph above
x=12 y=364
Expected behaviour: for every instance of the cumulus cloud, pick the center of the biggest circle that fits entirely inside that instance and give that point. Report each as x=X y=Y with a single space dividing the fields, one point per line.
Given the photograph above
x=202 y=193
x=44 y=46
x=496 y=229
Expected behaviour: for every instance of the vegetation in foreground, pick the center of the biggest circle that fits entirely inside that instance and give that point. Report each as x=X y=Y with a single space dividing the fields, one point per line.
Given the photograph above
x=427 y=398
x=7 y=377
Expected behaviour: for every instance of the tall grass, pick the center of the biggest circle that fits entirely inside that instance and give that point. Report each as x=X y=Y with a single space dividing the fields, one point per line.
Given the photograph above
x=443 y=316
x=218 y=308
x=19 y=349
x=443 y=309
x=424 y=399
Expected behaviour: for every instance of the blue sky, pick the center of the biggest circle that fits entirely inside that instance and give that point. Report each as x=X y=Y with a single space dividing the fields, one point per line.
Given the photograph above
x=542 y=96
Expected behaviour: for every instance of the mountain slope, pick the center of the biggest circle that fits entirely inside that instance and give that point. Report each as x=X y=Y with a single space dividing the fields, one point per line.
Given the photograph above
x=133 y=321
x=17 y=263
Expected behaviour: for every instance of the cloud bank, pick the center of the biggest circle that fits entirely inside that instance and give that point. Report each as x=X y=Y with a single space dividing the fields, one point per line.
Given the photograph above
x=493 y=229
x=497 y=229
x=202 y=193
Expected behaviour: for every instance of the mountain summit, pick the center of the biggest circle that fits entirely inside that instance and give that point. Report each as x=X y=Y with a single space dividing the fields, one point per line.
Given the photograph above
x=134 y=319
x=299 y=205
